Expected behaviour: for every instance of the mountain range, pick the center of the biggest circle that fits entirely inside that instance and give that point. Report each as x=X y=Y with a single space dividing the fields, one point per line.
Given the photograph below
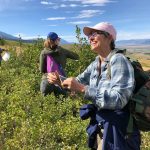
x=133 y=42
x=13 y=38
x=7 y=36
x=118 y=43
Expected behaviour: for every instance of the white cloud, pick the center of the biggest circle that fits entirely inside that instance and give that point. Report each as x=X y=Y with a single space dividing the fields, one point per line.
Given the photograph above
x=96 y=2
x=54 y=6
x=85 y=5
x=33 y=37
x=69 y=38
x=92 y=2
x=46 y=3
x=89 y=13
x=52 y=25
x=78 y=3
x=19 y=35
x=27 y=37
x=79 y=22
x=56 y=18
x=63 y=5
x=73 y=5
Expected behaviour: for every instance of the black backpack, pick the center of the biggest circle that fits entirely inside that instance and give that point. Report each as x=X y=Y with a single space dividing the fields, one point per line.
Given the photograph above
x=139 y=103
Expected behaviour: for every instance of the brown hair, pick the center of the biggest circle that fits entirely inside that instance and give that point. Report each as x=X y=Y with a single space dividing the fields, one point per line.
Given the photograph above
x=48 y=43
x=112 y=45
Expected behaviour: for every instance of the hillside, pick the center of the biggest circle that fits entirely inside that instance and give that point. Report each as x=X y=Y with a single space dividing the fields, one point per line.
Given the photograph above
x=137 y=48
x=7 y=36
x=13 y=38
x=31 y=121
x=135 y=42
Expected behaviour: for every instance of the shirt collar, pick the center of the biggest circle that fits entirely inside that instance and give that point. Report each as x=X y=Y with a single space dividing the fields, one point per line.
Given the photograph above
x=107 y=59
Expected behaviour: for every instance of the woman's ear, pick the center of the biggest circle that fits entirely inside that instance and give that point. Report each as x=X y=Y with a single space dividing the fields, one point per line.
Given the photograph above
x=110 y=37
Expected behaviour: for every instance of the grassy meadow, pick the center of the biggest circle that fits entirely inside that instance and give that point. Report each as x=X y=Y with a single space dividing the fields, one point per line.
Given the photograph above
x=141 y=53
x=30 y=121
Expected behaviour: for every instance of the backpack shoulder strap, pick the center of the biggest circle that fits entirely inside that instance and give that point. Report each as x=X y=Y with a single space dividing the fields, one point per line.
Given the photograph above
x=122 y=51
x=130 y=122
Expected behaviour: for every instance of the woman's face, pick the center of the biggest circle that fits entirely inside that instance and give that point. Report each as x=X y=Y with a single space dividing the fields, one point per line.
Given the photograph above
x=57 y=41
x=53 y=44
x=99 y=41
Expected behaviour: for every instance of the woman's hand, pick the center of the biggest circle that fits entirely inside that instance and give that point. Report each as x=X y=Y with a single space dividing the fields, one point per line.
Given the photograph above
x=53 y=78
x=73 y=85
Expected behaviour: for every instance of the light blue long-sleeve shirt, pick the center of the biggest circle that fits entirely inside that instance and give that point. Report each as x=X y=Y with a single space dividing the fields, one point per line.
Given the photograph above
x=105 y=93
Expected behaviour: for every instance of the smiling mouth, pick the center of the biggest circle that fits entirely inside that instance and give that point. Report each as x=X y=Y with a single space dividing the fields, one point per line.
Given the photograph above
x=93 y=43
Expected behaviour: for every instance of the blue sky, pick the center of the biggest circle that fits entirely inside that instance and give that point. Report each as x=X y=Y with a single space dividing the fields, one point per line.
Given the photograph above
x=35 y=18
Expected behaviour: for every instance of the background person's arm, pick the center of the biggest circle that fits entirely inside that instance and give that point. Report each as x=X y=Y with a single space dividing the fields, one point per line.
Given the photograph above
x=71 y=54
x=42 y=63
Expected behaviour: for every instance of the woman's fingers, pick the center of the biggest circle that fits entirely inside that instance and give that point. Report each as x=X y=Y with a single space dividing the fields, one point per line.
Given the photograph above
x=69 y=83
x=73 y=85
x=51 y=77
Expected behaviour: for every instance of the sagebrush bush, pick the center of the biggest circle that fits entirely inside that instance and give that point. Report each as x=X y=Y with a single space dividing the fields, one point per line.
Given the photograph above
x=29 y=121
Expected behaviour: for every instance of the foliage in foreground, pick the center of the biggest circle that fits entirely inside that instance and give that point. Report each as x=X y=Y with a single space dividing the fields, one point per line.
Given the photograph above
x=30 y=121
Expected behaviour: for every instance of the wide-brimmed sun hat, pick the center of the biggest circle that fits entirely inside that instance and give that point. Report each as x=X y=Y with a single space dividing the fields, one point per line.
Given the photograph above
x=102 y=26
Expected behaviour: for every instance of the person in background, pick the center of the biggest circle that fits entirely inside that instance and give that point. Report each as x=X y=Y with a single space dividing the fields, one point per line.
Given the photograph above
x=1 y=51
x=53 y=58
x=109 y=110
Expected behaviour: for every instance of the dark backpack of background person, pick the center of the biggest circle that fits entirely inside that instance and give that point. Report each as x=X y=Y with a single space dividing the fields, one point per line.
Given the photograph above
x=139 y=103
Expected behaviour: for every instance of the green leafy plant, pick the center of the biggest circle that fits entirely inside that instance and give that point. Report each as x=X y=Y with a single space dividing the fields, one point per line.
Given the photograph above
x=30 y=121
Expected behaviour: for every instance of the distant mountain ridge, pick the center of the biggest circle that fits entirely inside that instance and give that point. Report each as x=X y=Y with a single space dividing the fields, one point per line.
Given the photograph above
x=133 y=42
x=13 y=38
x=118 y=43
x=7 y=36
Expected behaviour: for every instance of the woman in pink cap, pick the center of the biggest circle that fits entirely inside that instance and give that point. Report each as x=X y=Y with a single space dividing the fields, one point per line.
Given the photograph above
x=109 y=111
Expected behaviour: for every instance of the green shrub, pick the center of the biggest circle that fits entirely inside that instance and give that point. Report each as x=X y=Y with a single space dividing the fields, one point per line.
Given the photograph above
x=30 y=121
x=2 y=41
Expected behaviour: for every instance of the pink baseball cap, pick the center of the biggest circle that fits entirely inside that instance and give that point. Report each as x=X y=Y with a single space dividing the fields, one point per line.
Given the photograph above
x=103 y=26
